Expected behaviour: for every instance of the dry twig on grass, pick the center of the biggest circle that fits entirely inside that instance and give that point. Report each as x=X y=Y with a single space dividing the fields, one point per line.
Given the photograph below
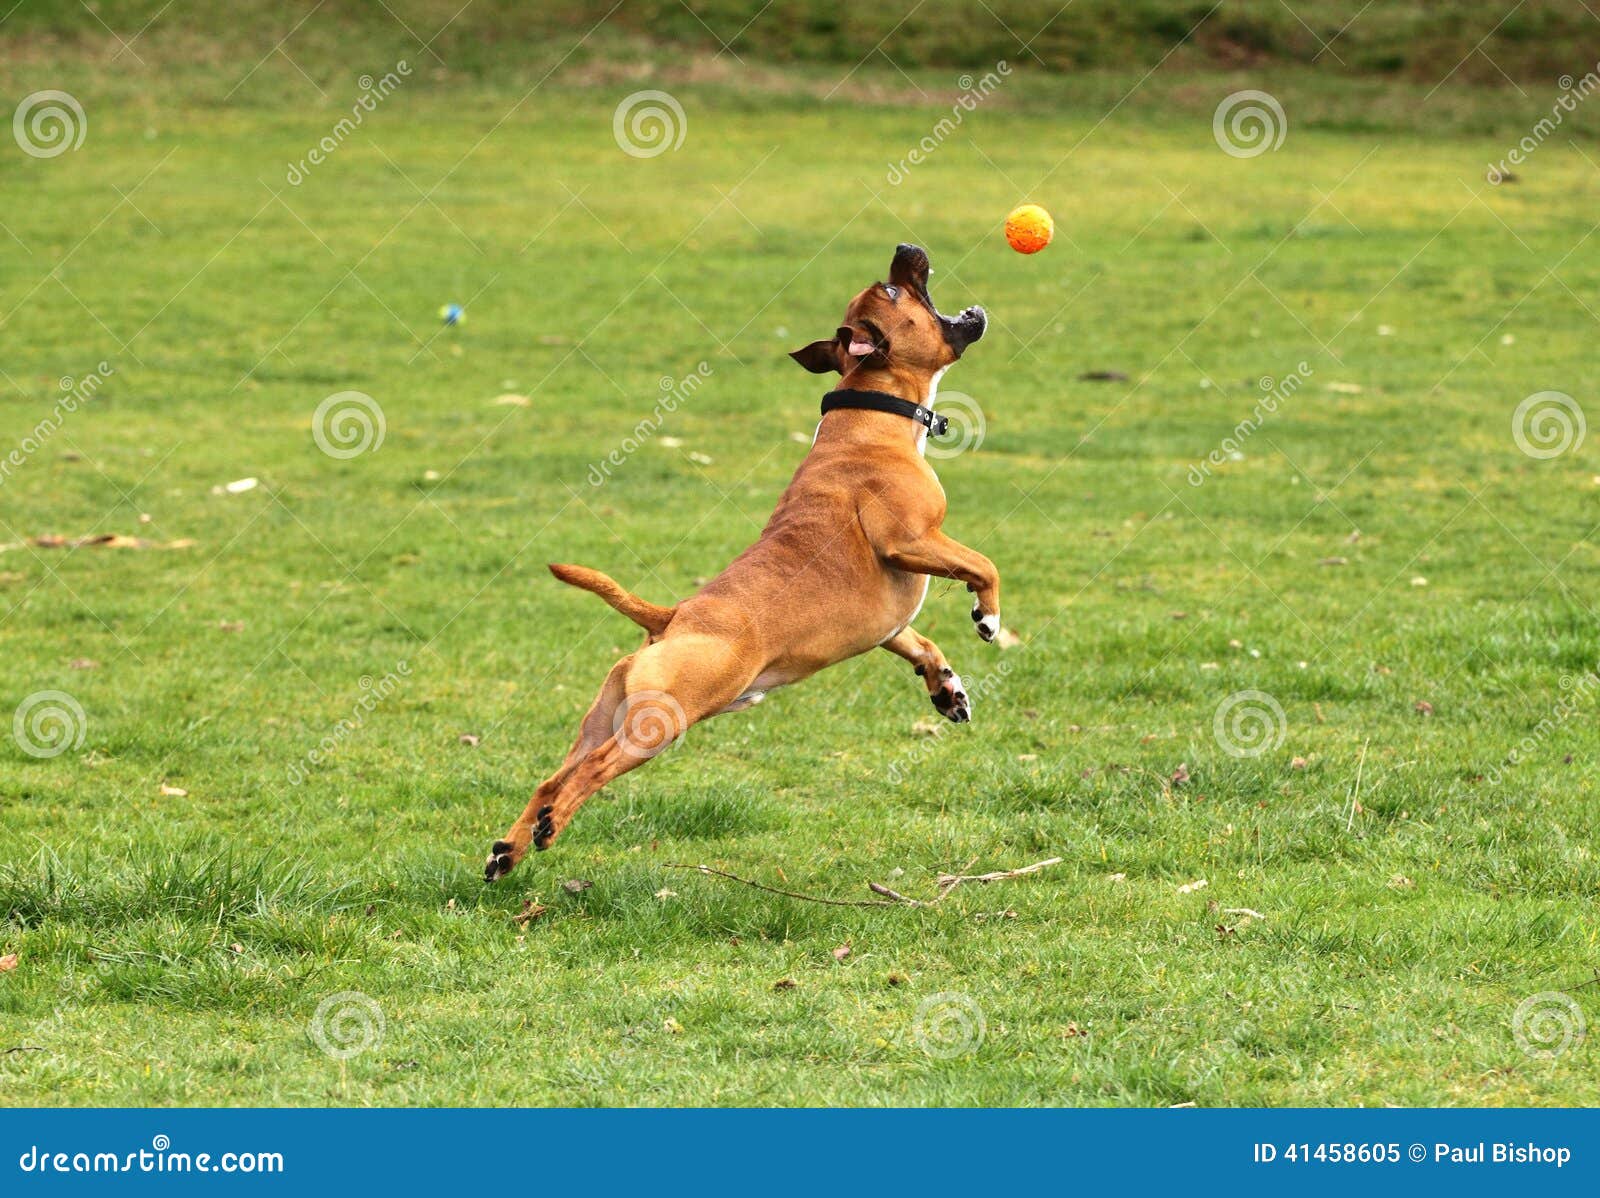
x=891 y=898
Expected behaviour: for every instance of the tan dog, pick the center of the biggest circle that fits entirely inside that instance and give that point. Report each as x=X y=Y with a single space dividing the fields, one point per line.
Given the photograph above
x=842 y=567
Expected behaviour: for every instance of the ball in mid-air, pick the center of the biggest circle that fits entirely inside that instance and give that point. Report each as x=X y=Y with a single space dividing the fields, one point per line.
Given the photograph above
x=452 y=314
x=1029 y=228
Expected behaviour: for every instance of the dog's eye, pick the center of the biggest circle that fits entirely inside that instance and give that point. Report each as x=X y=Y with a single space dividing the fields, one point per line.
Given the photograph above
x=891 y=291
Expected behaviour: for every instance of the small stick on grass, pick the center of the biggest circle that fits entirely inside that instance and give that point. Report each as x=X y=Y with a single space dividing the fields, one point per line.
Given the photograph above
x=891 y=898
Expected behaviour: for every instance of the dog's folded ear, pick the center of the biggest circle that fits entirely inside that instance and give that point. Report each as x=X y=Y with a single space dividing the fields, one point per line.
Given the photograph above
x=819 y=357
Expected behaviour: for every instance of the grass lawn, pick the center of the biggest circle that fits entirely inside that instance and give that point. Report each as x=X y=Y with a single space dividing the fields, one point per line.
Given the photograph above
x=1413 y=592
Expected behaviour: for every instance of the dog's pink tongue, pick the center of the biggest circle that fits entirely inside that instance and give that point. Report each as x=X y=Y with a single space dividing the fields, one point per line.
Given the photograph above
x=862 y=349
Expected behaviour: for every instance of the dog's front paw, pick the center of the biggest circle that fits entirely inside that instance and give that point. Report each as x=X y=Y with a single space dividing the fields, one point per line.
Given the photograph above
x=500 y=862
x=988 y=626
x=950 y=700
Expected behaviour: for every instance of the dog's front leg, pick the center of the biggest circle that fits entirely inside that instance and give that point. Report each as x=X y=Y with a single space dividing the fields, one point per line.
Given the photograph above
x=944 y=557
x=944 y=685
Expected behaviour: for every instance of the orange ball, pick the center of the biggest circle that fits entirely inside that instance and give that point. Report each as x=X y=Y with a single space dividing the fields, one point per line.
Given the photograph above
x=1029 y=229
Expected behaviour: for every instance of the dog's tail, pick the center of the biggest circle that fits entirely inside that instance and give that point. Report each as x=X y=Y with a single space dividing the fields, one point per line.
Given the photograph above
x=652 y=617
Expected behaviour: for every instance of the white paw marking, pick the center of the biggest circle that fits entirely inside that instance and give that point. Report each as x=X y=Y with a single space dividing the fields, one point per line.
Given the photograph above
x=989 y=627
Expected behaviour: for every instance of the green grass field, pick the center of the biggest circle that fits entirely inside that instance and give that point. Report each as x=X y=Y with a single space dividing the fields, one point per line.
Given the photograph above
x=1384 y=889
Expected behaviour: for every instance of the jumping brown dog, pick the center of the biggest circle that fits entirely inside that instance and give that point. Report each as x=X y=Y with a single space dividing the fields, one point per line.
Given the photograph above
x=842 y=566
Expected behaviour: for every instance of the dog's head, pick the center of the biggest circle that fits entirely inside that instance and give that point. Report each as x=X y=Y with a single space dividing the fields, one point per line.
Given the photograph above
x=893 y=326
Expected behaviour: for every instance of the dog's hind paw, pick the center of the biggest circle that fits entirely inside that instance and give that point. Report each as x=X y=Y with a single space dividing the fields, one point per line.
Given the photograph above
x=545 y=831
x=499 y=863
x=950 y=700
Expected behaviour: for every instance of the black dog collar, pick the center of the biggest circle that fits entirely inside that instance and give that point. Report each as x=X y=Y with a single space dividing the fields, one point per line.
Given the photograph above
x=879 y=401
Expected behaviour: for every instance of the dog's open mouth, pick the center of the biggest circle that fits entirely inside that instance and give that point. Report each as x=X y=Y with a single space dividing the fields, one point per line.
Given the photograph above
x=864 y=342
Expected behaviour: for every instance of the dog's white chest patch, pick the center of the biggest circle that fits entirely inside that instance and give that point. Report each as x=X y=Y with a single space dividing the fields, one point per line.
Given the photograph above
x=933 y=393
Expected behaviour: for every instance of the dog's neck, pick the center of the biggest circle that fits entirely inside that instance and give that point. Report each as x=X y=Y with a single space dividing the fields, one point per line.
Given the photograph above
x=914 y=386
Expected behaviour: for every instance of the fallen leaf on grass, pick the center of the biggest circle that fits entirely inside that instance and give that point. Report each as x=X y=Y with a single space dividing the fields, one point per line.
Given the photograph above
x=510 y=400
x=1072 y=1029
x=1117 y=877
x=1424 y=707
x=1299 y=763
x=231 y=625
x=531 y=910
x=669 y=1024
x=104 y=540
x=840 y=953
x=898 y=979
x=664 y=894
x=236 y=949
x=83 y=663
x=8 y=962
x=1191 y=887
x=1180 y=775
x=785 y=984
x=173 y=792
x=576 y=885
x=1400 y=882
x=699 y=459
x=468 y=739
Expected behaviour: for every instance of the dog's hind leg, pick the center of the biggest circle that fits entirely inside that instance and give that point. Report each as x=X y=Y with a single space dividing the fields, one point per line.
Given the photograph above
x=665 y=689
x=945 y=688
x=592 y=733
